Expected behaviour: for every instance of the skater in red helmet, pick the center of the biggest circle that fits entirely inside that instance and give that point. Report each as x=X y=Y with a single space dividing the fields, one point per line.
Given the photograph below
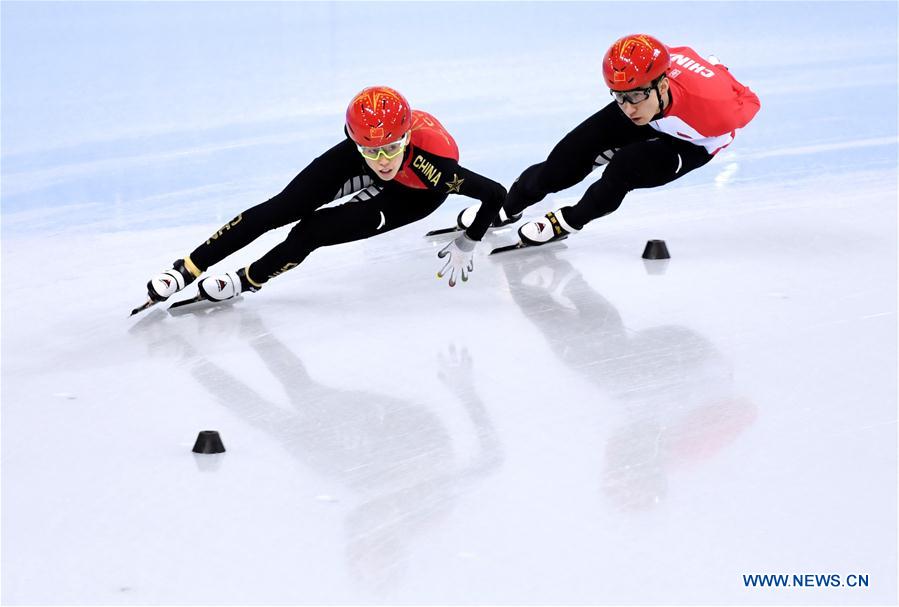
x=398 y=164
x=673 y=110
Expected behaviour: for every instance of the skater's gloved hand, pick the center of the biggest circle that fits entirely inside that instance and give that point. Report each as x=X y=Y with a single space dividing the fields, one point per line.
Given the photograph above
x=461 y=259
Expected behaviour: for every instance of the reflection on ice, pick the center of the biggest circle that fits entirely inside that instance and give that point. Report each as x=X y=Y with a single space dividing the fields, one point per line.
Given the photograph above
x=674 y=386
x=395 y=457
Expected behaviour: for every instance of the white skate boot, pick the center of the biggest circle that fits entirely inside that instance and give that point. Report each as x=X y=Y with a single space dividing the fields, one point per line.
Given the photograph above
x=550 y=228
x=226 y=286
x=167 y=283
x=466 y=217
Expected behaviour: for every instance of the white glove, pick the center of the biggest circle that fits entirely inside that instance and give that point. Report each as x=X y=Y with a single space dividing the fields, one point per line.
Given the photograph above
x=461 y=259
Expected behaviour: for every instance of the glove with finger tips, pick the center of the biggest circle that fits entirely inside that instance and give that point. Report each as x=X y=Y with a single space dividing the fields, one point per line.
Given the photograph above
x=461 y=259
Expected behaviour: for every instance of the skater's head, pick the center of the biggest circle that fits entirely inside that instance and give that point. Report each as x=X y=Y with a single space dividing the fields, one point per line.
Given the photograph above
x=378 y=120
x=634 y=68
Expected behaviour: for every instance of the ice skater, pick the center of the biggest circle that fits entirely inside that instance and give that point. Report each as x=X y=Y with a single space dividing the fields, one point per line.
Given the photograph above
x=673 y=110
x=400 y=164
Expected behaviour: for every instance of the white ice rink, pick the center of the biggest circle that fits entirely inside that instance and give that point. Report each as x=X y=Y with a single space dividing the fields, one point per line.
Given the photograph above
x=572 y=426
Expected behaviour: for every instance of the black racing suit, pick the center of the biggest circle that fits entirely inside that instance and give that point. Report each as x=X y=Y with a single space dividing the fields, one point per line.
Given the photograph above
x=377 y=207
x=642 y=158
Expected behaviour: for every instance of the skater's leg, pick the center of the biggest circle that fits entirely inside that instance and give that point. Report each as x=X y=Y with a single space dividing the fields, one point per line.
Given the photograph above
x=644 y=164
x=574 y=157
x=647 y=164
x=245 y=228
x=328 y=177
x=356 y=220
x=391 y=208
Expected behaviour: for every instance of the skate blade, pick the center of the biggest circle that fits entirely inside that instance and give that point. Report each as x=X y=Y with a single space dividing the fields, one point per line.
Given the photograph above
x=143 y=307
x=521 y=245
x=442 y=231
x=511 y=247
x=490 y=230
x=199 y=304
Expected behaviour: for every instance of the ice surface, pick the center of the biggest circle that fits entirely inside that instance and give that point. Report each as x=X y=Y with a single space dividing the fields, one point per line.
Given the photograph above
x=572 y=426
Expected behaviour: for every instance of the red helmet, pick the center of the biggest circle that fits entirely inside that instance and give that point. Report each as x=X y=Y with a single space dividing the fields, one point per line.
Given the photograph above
x=378 y=115
x=634 y=61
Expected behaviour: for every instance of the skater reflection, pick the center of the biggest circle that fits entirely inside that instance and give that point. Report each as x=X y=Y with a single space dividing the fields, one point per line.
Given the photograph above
x=395 y=458
x=675 y=388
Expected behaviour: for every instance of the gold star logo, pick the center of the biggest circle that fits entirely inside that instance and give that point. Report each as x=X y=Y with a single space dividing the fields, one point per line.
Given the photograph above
x=454 y=185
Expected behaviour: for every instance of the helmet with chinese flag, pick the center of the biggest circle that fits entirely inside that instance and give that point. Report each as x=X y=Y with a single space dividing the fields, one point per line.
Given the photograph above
x=378 y=115
x=634 y=61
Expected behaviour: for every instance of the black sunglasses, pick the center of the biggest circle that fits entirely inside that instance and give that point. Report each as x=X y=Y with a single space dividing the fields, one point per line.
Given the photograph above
x=633 y=97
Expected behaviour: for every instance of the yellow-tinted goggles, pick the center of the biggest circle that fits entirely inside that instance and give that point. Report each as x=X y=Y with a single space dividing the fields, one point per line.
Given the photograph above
x=390 y=150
